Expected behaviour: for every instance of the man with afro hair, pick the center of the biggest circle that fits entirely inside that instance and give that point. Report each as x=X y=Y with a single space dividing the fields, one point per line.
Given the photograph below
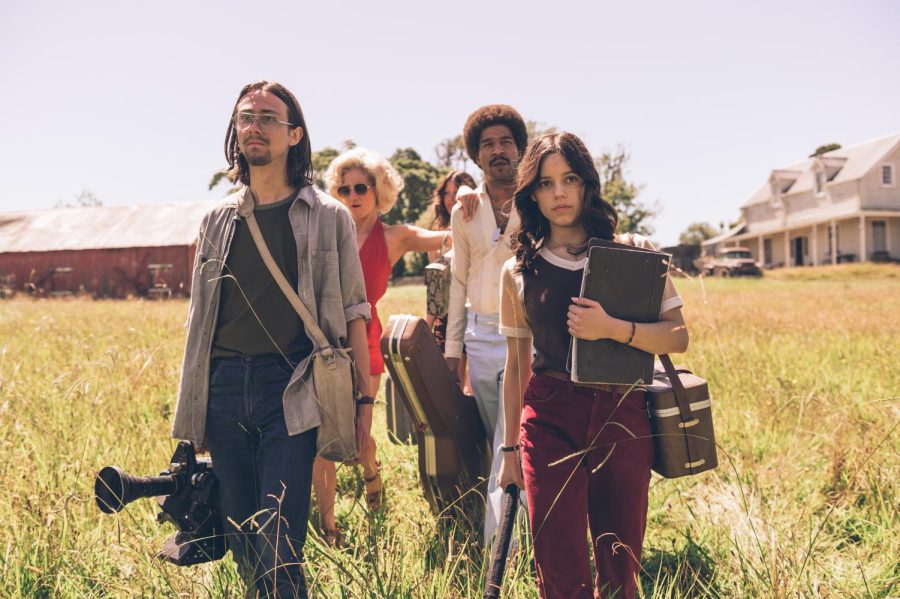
x=487 y=116
x=495 y=137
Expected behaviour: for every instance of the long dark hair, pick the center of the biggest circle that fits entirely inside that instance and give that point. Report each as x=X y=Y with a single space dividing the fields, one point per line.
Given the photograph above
x=299 y=159
x=598 y=217
x=441 y=214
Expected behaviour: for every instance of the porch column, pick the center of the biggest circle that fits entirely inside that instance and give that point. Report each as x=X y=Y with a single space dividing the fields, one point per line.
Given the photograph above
x=787 y=250
x=834 y=242
x=762 y=251
x=815 y=245
x=862 y=238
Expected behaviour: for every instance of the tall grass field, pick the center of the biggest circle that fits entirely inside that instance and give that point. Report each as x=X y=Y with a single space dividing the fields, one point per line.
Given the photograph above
x=804 y=370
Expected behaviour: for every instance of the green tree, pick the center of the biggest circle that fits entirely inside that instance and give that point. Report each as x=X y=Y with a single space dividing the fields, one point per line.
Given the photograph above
x=697 y=233
x=537 y=128
x=217 y=178
x=634 y=215
x=83 y=199
x=451 y=154
x=826 y=148
x=320 y=162
x=420 y=177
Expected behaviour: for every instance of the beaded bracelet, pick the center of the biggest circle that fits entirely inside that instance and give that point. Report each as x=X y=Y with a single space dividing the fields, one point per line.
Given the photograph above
x=631 y=337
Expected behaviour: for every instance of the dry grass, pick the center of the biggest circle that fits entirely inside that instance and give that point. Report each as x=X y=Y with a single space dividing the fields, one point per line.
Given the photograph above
x=804 y=504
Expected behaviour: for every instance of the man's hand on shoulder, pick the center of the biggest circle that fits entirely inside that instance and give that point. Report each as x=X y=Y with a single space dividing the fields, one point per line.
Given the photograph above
x=468 y=202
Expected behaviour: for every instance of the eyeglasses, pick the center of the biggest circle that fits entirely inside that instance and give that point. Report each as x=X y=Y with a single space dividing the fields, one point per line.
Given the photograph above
x=359 y=188
x=266 y=122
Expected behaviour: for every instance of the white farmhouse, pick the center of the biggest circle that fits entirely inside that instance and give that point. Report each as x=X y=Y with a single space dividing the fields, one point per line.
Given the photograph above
x=841 y=206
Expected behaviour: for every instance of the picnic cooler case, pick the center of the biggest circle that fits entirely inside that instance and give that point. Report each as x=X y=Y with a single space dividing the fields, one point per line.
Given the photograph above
x=454 y=452
x=399 y=423
x=683 y=436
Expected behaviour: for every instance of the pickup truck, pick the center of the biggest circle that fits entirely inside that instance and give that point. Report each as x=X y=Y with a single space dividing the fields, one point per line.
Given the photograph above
x=729 y=262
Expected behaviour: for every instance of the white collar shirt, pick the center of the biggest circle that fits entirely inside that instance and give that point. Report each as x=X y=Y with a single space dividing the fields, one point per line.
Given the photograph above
x=479 y=251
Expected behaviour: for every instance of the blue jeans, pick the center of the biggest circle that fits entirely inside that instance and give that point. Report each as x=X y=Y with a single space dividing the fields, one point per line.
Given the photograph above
x=264 y=474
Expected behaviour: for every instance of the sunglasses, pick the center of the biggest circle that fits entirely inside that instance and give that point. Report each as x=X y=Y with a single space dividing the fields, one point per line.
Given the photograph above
x=359 y=188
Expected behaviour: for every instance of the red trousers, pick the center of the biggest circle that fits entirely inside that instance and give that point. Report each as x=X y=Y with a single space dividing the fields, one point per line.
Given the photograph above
x=560 y=419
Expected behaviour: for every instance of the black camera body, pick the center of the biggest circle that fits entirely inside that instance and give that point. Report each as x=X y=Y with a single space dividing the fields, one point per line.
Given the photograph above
x=187 y=494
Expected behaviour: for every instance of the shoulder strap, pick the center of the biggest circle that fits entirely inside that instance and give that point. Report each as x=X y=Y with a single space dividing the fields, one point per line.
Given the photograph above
x=308 y=321
x=684 y=407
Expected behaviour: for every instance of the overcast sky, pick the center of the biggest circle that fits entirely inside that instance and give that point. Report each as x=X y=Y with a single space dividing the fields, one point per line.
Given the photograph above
x=131 y=100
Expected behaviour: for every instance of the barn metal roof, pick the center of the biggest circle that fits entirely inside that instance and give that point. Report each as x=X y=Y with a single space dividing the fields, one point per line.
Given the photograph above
x=102 y=227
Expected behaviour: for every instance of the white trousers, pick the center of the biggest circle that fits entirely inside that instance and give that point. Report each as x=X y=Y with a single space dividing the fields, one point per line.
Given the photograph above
x=486 y=350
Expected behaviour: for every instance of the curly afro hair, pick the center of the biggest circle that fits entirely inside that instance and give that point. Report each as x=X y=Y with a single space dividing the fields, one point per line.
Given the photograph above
x=493 y=114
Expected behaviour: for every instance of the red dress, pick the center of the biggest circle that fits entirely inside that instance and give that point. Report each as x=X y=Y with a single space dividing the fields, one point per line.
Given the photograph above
x=373 y=255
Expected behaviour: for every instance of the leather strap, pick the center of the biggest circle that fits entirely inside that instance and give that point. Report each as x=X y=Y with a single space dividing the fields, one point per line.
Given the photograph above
x=312 y=328
x=684 y=406
x=566 y=377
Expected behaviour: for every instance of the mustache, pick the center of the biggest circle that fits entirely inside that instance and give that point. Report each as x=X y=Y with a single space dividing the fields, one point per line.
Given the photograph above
x=498 y=160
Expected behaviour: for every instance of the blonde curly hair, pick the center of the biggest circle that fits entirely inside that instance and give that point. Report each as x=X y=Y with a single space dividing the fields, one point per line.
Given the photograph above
x=387 y=181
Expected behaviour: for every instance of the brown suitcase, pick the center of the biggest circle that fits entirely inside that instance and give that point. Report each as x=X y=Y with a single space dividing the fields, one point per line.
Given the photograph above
x=399 y=424
x=454 y=452
x=681 y=419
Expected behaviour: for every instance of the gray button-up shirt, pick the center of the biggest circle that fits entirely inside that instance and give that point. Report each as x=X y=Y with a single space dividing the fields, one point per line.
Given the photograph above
x=330 y=285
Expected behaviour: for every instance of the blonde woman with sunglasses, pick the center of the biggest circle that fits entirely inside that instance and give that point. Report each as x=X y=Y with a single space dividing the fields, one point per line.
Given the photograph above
x=369 y=186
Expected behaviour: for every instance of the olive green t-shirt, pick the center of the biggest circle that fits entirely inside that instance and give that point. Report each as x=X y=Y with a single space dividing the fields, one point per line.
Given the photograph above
x=255 y=317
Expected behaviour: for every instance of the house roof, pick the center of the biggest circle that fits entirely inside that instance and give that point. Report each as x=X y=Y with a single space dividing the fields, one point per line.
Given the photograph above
x=735 y=230
x=857 y=161
x=102 y=227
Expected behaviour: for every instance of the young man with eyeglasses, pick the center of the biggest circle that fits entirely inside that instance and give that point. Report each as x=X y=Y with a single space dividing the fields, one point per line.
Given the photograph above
x=495 y=137
x=245 y=391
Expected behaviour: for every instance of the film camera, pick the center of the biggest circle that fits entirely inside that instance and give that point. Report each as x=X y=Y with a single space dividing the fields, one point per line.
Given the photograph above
x=187 y=494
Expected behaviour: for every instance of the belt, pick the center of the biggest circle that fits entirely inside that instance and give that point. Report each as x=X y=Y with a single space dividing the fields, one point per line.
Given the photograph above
x=292 y=359
x=565 y=376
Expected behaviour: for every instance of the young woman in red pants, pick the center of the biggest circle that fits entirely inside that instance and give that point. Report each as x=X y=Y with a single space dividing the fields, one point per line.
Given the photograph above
x=581 y=452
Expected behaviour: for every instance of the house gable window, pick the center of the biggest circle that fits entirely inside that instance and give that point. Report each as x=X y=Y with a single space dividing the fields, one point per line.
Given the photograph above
x=887 y=175
x=820 y=182
x=775 y=195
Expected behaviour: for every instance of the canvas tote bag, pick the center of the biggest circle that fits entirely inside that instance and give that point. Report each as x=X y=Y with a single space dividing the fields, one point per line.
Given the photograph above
x=333 y=371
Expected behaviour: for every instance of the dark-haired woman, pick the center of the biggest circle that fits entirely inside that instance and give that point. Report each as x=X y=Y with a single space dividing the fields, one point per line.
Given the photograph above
x=581 y=452
x=443 y=201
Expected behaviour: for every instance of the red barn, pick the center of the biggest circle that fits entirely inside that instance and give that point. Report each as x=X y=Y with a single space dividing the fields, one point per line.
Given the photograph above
x=105 y=251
